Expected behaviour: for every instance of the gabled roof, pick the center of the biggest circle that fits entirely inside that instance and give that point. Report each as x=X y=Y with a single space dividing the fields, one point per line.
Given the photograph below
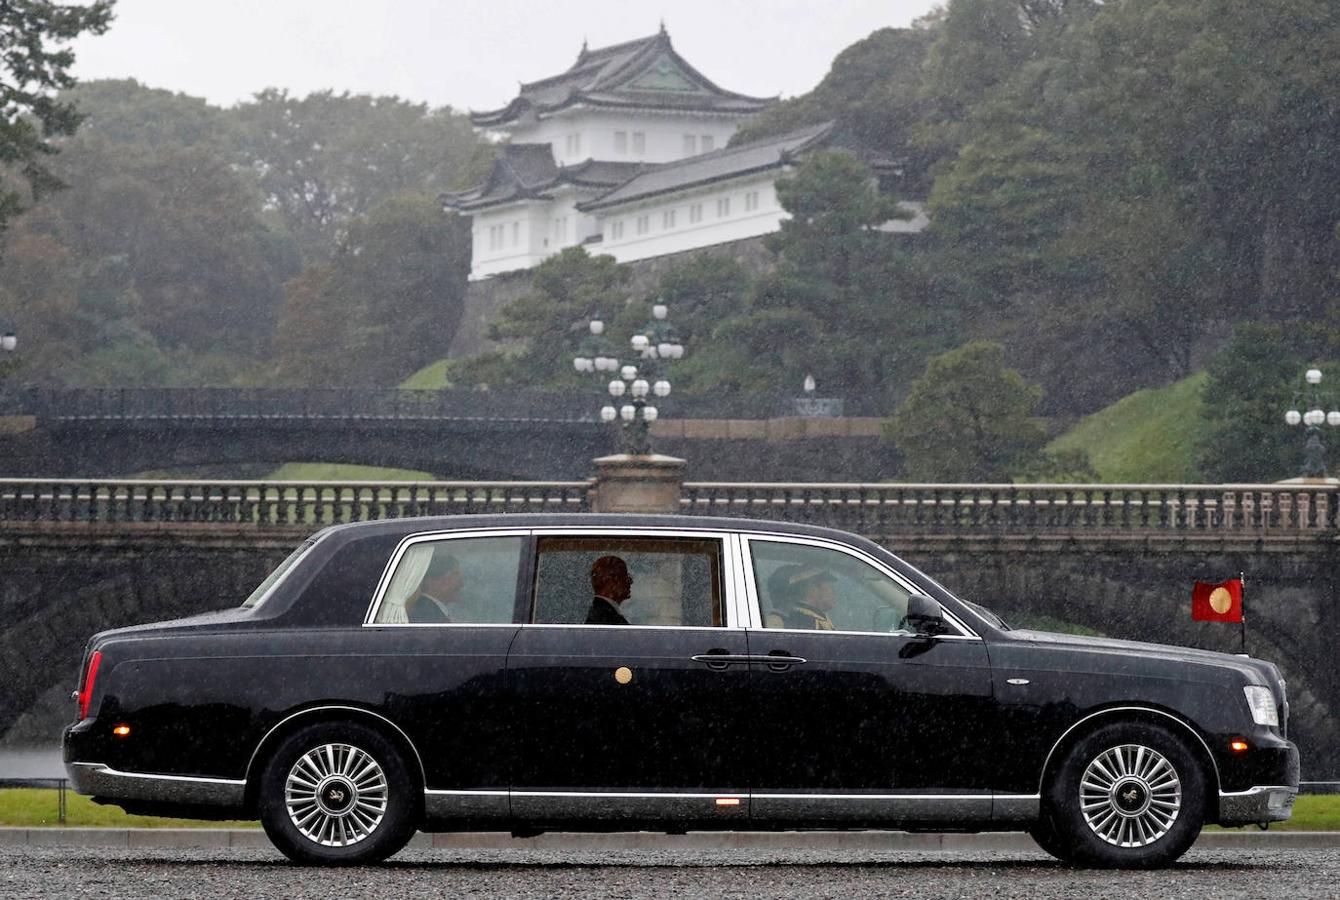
x=525 y=171
x=731 y=162
x=646 y=73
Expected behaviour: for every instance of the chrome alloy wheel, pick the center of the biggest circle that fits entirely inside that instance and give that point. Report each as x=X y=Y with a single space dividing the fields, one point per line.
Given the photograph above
x=336 y=795
x=1130 y=795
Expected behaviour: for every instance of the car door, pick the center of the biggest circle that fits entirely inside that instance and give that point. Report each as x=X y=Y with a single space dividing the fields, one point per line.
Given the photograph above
x=633 y=722
x=435 y=658
x=858 y=720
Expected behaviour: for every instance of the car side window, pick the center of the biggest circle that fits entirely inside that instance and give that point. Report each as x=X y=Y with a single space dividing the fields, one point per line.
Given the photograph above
x=627 y=581
x=807 y=587
x=454 y=582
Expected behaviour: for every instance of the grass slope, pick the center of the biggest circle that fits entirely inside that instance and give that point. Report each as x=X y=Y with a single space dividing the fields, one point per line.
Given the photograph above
x=1146 y=437
x=432 y=377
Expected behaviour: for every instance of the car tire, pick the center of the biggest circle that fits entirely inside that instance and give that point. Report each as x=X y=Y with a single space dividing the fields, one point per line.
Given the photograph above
x=338 y=793
x=1130 y=795
x=1045 y=835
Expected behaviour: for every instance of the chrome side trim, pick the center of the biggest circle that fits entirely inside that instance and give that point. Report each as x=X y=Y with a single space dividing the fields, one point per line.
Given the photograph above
x=1016 y=807
x=763 y=807
x=1116 y=709
x=628 y=806
x=838 y=808
x=98 y=780
x=1271 y=803
x=358 y=709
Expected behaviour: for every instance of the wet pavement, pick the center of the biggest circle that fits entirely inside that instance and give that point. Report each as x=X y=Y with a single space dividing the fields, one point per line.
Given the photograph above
x=719 y=874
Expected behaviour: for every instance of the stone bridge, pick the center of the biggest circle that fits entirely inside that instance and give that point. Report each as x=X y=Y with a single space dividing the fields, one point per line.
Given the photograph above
x=451 y=434
x=78 y=556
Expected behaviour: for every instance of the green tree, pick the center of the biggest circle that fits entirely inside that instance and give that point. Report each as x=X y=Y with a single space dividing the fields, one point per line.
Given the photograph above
x=325 y=159
x=35 y=63
x=544 y=326
x=388 y=303
x=872 y=93
x=968 y=418
x=866 y=316
x=1253 y=379
x=181 y=236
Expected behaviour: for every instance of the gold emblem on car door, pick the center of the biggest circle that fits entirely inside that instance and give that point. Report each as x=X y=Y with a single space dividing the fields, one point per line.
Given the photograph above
x=623 y=674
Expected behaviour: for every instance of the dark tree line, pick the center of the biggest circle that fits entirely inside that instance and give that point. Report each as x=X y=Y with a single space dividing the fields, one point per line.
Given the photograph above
x=282 y=240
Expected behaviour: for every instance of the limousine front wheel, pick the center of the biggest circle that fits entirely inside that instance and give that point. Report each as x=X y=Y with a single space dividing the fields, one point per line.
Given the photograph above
x=337 y=794
x=1129 y=795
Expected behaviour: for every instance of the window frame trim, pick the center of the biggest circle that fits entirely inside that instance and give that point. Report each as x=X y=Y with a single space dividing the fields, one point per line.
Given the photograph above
x=384 y=583
x=730 y=595
x=746 y=559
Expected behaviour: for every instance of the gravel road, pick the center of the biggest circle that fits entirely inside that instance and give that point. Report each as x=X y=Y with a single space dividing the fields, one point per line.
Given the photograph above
x=90 y=872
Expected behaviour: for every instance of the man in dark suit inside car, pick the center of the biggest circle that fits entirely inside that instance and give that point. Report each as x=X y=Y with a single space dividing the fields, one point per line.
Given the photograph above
x=612 y=585
x=438 y=592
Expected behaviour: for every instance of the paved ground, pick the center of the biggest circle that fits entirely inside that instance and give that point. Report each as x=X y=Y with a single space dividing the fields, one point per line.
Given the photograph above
x=92 y=872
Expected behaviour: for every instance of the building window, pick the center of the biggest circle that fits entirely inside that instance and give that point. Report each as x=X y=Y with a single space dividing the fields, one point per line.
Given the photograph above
x=643 y=224
x=495 y=237
x=616 y=230
x=750 y=201
x=620 y=142
x=695 y=213
x=561 y=230
x=690 y=145
x=639 y=142
x=575 y=144
x=668 y=219
x=709 y=143
x=723 y=207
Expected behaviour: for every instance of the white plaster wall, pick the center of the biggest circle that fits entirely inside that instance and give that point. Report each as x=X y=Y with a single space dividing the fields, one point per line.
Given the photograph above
x=663 y=135
x=523 y=233
x=685 y=235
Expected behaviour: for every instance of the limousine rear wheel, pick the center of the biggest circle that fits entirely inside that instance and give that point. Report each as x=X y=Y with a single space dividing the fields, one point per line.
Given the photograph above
x=1128 y=795
x=337 y=794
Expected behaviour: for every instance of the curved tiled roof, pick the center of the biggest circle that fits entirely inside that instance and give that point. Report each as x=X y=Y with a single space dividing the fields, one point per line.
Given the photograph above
x=718 y=165
x=609 y=77
x=523 y=171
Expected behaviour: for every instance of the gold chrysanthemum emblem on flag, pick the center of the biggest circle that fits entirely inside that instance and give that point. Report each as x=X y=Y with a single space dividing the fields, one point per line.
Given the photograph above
x=1221 y=601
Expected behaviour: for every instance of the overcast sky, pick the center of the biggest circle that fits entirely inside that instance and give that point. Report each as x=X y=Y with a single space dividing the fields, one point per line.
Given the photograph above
x=469 y=54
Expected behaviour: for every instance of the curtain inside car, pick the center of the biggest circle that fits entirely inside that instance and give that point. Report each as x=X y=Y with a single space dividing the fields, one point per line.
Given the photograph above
x=413 y=566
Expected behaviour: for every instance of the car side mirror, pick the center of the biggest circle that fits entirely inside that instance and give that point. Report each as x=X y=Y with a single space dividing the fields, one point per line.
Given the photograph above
x=924 y=616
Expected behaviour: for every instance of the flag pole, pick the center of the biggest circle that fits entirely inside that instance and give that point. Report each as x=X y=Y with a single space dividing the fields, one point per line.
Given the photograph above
x=1242 y=578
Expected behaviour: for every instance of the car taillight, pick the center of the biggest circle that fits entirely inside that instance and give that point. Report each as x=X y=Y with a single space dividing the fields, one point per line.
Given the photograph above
x=90 y=676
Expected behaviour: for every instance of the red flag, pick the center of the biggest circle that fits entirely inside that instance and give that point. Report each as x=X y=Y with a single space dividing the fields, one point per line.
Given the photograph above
x=1217 y=602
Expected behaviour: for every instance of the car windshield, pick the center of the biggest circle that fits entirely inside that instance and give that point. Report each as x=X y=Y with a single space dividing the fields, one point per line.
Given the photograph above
x=266 y=587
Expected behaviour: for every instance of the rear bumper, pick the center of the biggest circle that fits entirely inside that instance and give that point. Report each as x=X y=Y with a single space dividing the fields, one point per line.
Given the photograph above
x=104 y=782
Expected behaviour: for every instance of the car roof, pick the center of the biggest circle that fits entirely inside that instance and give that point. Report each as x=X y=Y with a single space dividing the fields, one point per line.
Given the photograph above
x=417 y=524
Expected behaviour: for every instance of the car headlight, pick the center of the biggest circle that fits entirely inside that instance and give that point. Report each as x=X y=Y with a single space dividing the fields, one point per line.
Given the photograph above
x=1262 y=704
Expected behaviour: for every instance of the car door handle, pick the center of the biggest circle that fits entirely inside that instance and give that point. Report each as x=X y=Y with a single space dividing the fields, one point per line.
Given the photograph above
x=720 y=659
x=780 y=660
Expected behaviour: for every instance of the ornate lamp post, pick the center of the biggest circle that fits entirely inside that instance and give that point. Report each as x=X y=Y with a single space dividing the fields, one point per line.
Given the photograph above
x=1314 y=451
x=595 y=356
x=635 y=385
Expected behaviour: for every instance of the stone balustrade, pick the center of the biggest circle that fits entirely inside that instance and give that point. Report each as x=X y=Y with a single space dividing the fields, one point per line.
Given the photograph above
x=871 y=509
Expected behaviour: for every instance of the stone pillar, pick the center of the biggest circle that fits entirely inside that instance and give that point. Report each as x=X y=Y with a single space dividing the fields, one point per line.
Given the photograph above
x=637 y=484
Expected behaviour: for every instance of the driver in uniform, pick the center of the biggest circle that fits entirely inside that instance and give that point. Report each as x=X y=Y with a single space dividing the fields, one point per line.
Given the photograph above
x=802 y=598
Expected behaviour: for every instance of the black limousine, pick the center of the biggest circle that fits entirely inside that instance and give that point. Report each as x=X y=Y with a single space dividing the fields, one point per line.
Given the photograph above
x=584 y=672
